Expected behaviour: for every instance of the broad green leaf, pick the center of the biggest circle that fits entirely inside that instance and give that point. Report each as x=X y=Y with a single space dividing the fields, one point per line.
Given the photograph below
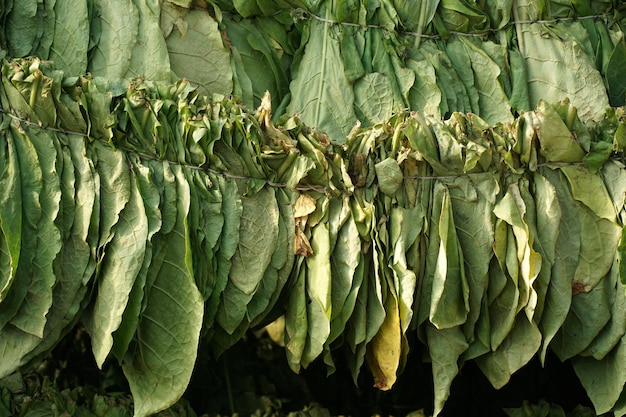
x=588 y=315
x=319 y=86
x=525 y=269
x=615 y=182
x=71 y=37
x=603 y=380
x=197 y=53
x=590 y=190
x=543 y=218
x=416 y=18
x=318 y=288
x=125 y=333
x=355 y=332
x=567 y=252
x=373 y=98
x=389 y=176
x=615 y=329
x=205 y=233
x=502 y=292
x=21 y=29
x=169 y=327
x=118 y=271
x=285 y=201
x=616 y=84
x=598 y=242
x=558 y=68
x=31 y=317
x=258 y=238
x=472 y=201
x=256 y=44
x=445 y=346
x=149 y=56
x=517 y=350
x=117 y=25
x=10 y=214
x=269 y=284
x=115 y=191
x=481 y=80
x=74 y=265
x=232 y=209
x=425 y=285
x=450 y=293
x=425 y=95
x=15 y=345
x=347 y=272
x=406 y=226
x=557 y=143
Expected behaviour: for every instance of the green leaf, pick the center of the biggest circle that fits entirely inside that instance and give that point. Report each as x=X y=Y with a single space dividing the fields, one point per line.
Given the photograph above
x=296 y=321
x=590 y=190
x=125 y=333
x=346 y=281
x=232 y=209
x=406 y=227
x=169 y=327
x=205 y=226
x=197 y=53
x=118 y=271
x=257 y=242
x=425 y=95
x=445 y=346
x=115 y=192
x=10 y=214
x=481 y=79
x=373 y=98
x=74 y=265
x=285 y=203
x=318 y=288
x=557 y=143
x=149 y=56
x=31 y=317
x=603 y=380
x=558 y=68
x=588 y=315
x=472 y=200
x=450 y=293
x=616 y=83
x=71 y=37
x=516 y=350
x=320 y=86
x=389 y=176
x=615 y=329
x=270 y=284
x=525 y=269
x=118 y=31
x=21 y=30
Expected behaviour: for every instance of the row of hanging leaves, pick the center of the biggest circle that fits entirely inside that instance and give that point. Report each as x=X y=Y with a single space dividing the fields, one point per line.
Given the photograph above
x=158 y=216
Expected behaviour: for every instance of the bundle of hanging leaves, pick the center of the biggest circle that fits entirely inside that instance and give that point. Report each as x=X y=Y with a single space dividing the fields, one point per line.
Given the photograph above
x=157 y=216
x=160 y=216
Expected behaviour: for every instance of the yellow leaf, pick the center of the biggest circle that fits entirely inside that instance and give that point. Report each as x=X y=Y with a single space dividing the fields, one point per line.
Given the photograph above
x=385 y=350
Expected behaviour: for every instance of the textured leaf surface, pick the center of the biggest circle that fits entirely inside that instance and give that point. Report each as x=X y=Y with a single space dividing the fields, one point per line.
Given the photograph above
x=169 y=327
x=197 y=53
x=320 y=85
x=118 y=22
x=125 y=254
x=258 y=238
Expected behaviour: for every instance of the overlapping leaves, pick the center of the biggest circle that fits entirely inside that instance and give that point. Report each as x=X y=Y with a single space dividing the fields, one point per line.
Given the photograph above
x=167 y=216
